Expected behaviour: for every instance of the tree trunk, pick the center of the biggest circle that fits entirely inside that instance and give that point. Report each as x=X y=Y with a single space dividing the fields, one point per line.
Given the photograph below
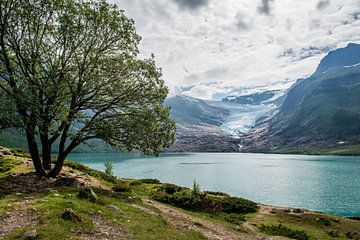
x=46 y=152
x=58 y=165
x=34 y=152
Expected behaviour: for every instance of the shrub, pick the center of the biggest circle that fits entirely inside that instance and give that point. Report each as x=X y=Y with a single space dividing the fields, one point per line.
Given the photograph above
x=237 y=219
x=324 y=221
x=217 y=193
x=196 y=188
x=87 y=194
x=122 y=187
x=281 y=230
x=235 y=205
x=169 y=188
x=187 y=199
x=150 y=181
x=108 y=168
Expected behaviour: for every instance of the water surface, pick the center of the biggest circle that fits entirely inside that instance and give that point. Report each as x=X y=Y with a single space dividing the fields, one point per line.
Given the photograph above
x=324 y=183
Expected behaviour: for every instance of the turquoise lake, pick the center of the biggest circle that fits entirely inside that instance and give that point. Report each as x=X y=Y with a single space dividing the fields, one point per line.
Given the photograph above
x=328 y=184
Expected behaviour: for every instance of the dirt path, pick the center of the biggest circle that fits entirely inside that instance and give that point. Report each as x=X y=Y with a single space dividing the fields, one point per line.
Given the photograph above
x=209 y=229
x=104 y=230
x=19 y=217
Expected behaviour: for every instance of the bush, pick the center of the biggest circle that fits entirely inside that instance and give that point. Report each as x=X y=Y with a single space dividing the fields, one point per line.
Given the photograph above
x=122 y=187
x=217 y=193
x=169 y=188
x=196 y=188
x=324 y=221
x=202 y=202
x=87 y=194
x=280 y=230
x=237 y=219
x=150 y=181
x=108 y=168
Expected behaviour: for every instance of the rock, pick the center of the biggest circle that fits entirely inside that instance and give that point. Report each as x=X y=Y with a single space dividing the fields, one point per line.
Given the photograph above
x=56 y=195
x=298 y=210
x=1 y=154
x=68 y=195
x=88 y=194
x=30 y=234
x=333 y=233
x=1 y=147
x=70 y=215
x=114 y=208
x=6 y=152
x=353 y=235
x=68 y=182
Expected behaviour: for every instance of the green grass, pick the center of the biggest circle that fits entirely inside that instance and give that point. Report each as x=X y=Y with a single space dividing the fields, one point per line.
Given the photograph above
x=9 y=165
x=134 y=223
x=316 y=225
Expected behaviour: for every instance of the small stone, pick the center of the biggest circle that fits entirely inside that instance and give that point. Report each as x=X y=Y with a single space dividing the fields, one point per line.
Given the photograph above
x=68 y=182
x=56 y=195
x=298 y=210
x=353 y=235
x=6 y=152
x=53 y=190
x=70 y=215
x=68 y=195
x=114 y=208
x=30 y=234
x=18 y=194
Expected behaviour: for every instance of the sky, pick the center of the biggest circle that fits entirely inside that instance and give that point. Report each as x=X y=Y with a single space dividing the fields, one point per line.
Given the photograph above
x=210 y=49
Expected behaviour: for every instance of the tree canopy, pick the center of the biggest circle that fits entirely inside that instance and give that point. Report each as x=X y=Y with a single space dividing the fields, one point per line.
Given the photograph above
x=70 y=72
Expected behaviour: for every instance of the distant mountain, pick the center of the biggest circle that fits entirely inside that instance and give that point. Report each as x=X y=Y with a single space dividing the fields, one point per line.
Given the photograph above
x=267 y=97
x=198 y=126
x=321 y=111
x=339 y=58
x=189 y=111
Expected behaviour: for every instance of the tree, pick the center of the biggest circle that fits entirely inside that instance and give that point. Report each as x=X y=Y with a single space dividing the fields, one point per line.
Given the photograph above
x=70 y=69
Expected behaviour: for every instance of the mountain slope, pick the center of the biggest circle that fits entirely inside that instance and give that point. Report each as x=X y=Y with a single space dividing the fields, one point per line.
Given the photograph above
x=198 y=126
x=320 y=111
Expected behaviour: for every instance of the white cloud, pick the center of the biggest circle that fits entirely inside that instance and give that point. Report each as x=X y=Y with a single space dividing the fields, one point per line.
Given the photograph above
x=229 y=46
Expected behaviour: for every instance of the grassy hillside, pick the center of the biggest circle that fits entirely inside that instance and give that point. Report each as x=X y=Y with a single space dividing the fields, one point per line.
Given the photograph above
x=39 y=208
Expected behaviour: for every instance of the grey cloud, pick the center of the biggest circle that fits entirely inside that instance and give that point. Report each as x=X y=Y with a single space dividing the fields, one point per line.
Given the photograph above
x=265 y=7
x=322 y=4
x=192 y=4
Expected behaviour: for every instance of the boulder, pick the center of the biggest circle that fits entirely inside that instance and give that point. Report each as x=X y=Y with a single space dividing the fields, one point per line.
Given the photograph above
x=6 y=152
x=30 y=234
x=353 y=235
x=68 y=182
x=88 y=194
x=70 y=215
